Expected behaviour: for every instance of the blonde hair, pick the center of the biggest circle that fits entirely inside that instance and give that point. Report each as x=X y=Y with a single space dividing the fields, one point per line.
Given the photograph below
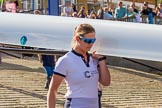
x=82 y=29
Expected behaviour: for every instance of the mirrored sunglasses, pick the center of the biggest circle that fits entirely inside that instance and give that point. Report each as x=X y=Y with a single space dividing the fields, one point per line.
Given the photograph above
x=88 y=40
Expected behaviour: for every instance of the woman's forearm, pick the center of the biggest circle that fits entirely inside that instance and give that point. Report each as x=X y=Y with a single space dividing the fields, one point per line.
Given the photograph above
x=51 y=99
x=105 y=77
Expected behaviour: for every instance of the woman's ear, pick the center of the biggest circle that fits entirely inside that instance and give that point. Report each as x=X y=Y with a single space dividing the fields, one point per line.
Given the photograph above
x=77 y=38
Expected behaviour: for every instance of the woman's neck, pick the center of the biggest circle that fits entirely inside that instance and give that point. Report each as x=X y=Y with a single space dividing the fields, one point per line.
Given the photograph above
x=80 y=51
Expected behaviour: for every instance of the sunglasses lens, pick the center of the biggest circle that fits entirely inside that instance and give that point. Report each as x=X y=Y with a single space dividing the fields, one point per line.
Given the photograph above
x=90 y=41
x=87 y=40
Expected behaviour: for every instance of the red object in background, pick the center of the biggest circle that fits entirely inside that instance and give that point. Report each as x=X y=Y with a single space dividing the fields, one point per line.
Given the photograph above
x=11 y=7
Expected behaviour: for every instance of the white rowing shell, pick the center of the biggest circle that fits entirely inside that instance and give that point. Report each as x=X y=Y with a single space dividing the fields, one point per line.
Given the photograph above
x=121 y=39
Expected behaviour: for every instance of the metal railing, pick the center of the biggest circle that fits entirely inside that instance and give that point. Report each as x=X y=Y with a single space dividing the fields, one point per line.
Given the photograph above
x=143 y=19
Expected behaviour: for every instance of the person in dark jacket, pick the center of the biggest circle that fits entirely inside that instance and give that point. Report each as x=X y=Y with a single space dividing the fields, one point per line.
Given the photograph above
x=146 y=9
x=48 y=62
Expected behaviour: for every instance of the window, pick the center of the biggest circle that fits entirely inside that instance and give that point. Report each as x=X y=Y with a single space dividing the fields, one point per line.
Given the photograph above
x=29 y=5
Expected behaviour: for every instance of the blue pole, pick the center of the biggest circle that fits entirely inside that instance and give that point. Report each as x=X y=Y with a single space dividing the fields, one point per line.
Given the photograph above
x=53 y=7
x=33 y=5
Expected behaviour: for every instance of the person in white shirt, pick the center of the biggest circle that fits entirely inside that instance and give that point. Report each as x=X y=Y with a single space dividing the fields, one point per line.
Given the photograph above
x=81 y=71
x=68 y=10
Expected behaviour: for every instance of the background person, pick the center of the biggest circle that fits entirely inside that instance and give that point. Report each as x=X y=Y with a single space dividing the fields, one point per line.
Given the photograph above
x=37 y=12
x=0 y=58
x=68 y=10
x=48 y=62
x=146 y=10
x=120 y=11
x=74 y=7
x=17 y=5
x=107 y=15
x=159 y=10
x=132 y=5
x=99 y=95
x=82 y=13
x=82 y=72
x=100 y=13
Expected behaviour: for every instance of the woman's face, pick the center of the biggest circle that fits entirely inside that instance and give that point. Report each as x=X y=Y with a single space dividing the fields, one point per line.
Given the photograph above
x=86 y=42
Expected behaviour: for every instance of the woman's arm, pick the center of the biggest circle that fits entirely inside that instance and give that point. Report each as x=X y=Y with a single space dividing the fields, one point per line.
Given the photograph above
x=104 y=74
x=52 y=92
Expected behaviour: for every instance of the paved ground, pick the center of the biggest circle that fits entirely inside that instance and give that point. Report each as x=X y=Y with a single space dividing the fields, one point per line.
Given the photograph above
x=22 y=86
